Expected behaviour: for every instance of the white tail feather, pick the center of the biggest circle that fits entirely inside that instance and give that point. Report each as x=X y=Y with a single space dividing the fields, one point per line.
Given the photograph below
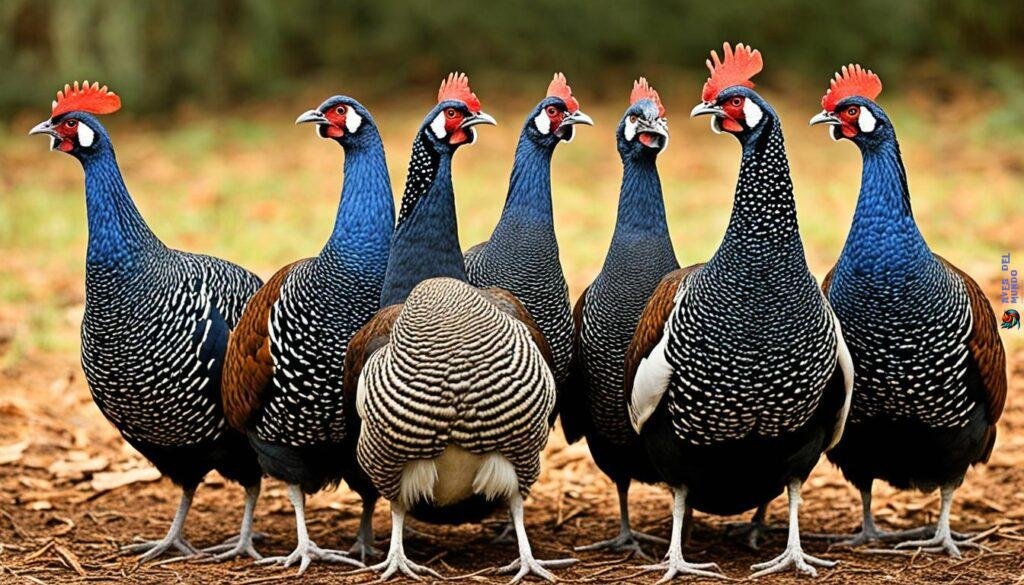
x=649 y=385
x=846 y=364
x=496 y=478
x=417 y=484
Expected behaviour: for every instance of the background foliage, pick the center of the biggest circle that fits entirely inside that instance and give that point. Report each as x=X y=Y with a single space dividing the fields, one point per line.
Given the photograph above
x=217 y=52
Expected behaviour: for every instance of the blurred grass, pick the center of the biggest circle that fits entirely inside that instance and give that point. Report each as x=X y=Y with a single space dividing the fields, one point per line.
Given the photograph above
x=249 y=186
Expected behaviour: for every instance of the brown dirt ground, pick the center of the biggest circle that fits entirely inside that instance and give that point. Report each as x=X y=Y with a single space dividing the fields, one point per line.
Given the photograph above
x=55 y=526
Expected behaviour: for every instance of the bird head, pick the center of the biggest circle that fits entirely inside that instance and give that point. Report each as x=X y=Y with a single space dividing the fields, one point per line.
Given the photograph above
x=849 y=109
x=72 y=126
x=728 y=95
x=555 y=117
x=1011 y=319
x=339 y=118
x=643 y=130
x=452 y=121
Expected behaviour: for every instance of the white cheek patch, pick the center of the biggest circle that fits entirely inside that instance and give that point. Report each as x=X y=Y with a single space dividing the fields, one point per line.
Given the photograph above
x=630 y=130
x=716 y=125
x=866 y=120
x=85 y=135
x=438 y=126
x=833 y=131
x=352 y=120
x=752 y=113
x=53 y=142
x=542 y=122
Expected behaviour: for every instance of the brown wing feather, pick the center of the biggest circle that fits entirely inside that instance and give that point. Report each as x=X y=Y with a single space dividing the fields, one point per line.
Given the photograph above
x=572 y=394
x=986 y=350
x=651 y=326
x=371 y=337
x=508 y=303
x=248 y=365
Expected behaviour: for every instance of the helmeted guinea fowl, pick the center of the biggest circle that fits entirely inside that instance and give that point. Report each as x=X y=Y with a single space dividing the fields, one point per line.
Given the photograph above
x=592 y=403
x=453 y=382
x=931 y=383
x=155 y=328
x=732 y=414
x=284 y=369
x=521 y=255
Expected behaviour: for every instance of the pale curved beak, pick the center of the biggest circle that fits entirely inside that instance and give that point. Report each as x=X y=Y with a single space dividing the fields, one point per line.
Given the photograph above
x=478 y=118
x=312 y=117
x=705 y=109
x=43 y=128
x=577 y=117
x=825 y=117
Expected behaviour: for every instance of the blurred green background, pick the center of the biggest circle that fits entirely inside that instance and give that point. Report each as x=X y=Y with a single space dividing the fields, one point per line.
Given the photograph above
x=206 y=142
x=160 y=53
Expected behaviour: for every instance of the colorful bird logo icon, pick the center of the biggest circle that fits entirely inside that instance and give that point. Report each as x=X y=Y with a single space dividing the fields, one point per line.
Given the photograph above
x=1011 y=319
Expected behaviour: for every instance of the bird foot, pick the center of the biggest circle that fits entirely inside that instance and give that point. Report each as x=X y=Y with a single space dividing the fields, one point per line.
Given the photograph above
x=872 y=534
x=507 y=534
x=307 y=552
x=795 y=557
x=627 y=541
x=152 y=549
x=231 y=548
x=675 y=566
x=397 y=562
x=750 y=532
x=527 y=565
x=365 y=549
x=948 y=543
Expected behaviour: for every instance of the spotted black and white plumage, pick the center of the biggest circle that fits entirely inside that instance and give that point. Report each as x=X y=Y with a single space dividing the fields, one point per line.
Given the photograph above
x=458 y=371
x=741 y=396
x=154 y=336
x=153 y=341
x=931 y=370
x=521 y=255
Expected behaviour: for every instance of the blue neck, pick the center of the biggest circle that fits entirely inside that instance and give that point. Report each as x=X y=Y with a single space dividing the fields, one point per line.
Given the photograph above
x=884 y=234
x=426 y=242
x=529 y=189
x=641 y=214
x=366 y=212
x=117 y=232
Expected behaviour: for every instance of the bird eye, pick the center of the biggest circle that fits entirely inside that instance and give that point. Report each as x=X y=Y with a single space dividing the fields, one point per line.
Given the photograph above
x=632 y=119
x=552 y=111
x=736 y=102
x=450 y=112
x=852 y=111
x=341 y=110
x=71 y=123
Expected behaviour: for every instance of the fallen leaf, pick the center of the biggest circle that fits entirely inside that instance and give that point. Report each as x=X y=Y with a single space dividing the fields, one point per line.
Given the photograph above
x=71 y=559
x=75 y=467
x=12 y=453
x=111 y=480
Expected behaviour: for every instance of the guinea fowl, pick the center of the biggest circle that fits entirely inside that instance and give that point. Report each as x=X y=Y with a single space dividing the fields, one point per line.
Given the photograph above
x=732 y=415
x=931 y=384
x=283 y=375
x=452 y=382
x=155 y=328
x=522 y=254
x=592 y=403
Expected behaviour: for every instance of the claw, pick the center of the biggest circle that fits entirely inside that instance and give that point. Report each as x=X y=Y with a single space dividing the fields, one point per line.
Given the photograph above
x=795 y=557
x=529 y=565
x=625 y=542
x=307 y=552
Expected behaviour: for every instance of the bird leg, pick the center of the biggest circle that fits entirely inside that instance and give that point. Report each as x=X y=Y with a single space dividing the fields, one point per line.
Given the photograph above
x=674 y=565
x=943 y=540
x=396 y=560
x=627 y=539
x=751 y=530
x=240 y=545
x=306 y=550
x=175 y=535
x=793 y=556
x=506 y=534
x=364 y=539
x=526 y=564
x=869 y=531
